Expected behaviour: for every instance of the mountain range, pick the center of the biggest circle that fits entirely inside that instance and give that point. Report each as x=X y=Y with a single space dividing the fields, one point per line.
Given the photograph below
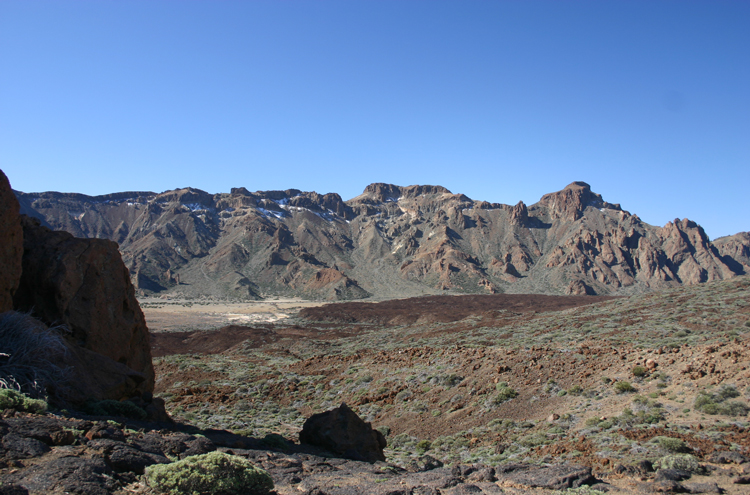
x=390 y=241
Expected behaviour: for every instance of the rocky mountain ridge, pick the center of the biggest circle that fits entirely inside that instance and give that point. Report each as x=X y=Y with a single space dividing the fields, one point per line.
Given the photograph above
x=390 y=241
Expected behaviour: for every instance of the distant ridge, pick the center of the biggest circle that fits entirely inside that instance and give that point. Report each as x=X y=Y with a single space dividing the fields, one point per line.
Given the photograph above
x=390 y=241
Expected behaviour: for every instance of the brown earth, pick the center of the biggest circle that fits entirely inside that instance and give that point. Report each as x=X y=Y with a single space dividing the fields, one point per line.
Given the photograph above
x=429 y=370
x=431 y=309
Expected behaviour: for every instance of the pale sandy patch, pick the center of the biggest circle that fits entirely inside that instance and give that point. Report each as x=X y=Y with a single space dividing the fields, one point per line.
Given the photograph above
x=173 y=315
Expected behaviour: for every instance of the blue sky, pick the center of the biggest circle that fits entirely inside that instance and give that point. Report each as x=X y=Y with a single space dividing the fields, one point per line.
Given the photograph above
x=648 y=101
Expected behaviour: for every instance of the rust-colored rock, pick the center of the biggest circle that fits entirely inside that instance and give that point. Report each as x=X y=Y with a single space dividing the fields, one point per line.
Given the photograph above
x=11 y=244
x=341 y=431
x=83 y=284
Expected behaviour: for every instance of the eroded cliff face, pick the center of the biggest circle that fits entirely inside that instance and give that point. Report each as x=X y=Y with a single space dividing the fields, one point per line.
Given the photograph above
x=11 y=244
x=83 y=286
x=390 y=241
x=735 y=250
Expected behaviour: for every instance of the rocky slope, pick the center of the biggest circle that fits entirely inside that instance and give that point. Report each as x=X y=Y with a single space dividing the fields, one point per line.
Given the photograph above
x=390 y=241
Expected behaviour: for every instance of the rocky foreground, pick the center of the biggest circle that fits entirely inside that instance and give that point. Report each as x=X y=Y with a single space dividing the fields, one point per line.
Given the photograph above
x=53 y=454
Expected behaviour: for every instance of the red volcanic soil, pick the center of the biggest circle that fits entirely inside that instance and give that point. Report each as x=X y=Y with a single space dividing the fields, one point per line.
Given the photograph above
x=225 y=338
x=208 y=342
x=442 y=308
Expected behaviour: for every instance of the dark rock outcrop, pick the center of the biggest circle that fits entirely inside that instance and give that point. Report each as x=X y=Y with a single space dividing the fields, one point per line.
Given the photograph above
x=83 y=284
x=11 y=244
x=341 y=431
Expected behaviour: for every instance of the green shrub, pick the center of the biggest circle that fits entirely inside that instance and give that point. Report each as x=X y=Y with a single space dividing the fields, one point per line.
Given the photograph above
x=674 y=445
x=685 y=462
x=639 y=371
x=624 y=387
x=726 y=392
x=216 y=473
x=575 y=390
x=535 y=439
x=593 y=421
x=12 y=399
x=504 y=393
x=446 y=380
x=108 y=407
x=716 y=402
x=423 y=446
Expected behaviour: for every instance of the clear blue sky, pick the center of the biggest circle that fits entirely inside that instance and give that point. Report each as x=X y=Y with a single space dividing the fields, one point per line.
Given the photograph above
x=648 y=101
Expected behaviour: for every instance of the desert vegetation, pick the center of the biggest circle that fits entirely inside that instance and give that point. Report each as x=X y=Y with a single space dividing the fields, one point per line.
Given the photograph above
x=494 y=387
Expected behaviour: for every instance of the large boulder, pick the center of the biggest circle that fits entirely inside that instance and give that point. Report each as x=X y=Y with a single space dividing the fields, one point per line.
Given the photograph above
x=84 y=285
x=341 y=431
x=11 y=244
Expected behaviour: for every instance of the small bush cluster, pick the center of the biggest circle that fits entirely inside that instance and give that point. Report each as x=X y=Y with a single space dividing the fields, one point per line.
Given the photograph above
x=716 y=402
x=684 y=462
x=504 y=393
x=644 y=411
x=674 y=445
x=450 y=380
x=575 y=390
x=423 y=446
x=624 y=387
x=12 y=399
x=216 y=473
x=639 y=371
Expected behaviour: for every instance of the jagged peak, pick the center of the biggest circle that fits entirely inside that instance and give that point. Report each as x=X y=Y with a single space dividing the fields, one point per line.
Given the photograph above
x=382 y=192
x=578 y=184
x=186 y=195
x=573 y=200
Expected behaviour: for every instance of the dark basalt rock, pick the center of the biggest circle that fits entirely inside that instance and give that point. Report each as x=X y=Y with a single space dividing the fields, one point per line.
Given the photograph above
x=18 y=447
x=341 y=431
x=557 y=477
x=84 y=476
x=671 y=475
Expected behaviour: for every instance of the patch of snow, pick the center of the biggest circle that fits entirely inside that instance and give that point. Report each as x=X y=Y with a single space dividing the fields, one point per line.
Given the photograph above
x=196 y=207
x=270 y=213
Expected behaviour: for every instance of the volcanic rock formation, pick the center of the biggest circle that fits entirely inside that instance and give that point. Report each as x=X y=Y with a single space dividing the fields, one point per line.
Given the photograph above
x=390 y=241
x=11 y=246
x=83 y=284
x=341 y=431
x=83 y=287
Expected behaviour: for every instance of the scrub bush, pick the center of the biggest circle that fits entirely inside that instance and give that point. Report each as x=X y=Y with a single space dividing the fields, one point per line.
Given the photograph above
x=215 y=473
